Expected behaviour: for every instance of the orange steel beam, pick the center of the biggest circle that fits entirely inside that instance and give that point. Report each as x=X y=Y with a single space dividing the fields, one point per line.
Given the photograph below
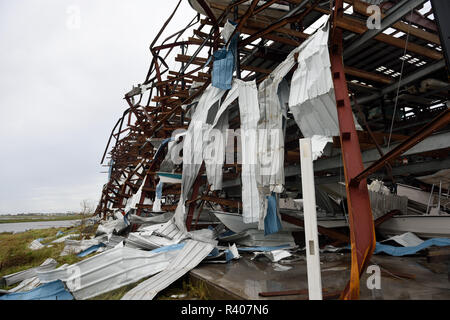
x=362 y=231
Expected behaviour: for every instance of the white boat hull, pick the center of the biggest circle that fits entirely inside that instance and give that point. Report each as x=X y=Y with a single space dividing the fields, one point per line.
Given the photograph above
x=424 y=226
x=235 y=223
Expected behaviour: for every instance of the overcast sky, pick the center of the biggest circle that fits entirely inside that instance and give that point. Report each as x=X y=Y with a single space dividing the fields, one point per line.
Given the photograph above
x=62 y=82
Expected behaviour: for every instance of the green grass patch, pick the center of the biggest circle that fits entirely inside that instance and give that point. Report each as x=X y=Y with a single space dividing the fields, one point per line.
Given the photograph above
x=15 y=255
x=184 y=289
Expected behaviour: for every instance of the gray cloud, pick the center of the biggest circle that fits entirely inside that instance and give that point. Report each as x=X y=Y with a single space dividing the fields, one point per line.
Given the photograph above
x=62 y=91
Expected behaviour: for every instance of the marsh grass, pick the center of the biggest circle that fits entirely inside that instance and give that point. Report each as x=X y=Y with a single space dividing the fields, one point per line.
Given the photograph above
x=15 y=255
x=197 y=291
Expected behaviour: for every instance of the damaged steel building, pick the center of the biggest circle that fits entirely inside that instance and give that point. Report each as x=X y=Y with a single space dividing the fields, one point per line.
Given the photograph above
x=216 y=140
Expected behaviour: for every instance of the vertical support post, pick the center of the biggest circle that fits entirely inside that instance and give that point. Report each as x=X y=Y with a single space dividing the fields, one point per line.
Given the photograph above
x=362 y=230
x=310 y=221
x=439 y=199
x=429 y=199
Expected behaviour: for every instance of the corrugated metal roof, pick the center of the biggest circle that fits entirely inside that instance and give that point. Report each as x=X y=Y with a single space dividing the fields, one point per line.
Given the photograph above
x=109 y=270
x=50 y=291
x=188 y=258
x=11 y=279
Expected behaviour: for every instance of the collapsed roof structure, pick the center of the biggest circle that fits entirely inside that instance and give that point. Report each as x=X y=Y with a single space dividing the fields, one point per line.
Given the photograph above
x=375 y=92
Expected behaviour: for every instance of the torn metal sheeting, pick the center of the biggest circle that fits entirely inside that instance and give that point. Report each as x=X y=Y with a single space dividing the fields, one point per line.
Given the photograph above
x=235 y=222
x=254 y=238
x=92 y=249
x=29 y=284
x=187 y=258
x=50 y=291
x=155 y=219
x=48 y=264
x=77 y=246
x=147 y=242
x=223 y=255
x=69 y=236
x=108 y=271
x=113 y=241
x=273 y=255
x=36 y=245
x=407 y=239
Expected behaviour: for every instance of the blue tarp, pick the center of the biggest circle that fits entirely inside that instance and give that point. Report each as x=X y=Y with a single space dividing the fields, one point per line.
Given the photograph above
x=403 y=251
x=214 y=253
x=224 y=64
x=228 y=255
x=49 y=291
x=169 y=248
x=90 y=250
x=272 y=223
x=159 y=188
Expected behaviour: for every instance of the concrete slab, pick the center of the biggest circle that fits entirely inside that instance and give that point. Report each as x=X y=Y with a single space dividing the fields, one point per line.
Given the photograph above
x=402 y=278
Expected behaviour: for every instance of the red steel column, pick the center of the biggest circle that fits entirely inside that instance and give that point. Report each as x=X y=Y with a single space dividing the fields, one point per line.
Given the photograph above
x=362 y=231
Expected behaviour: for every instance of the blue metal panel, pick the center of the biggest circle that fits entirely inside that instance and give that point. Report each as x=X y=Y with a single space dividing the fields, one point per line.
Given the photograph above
x=50 y=291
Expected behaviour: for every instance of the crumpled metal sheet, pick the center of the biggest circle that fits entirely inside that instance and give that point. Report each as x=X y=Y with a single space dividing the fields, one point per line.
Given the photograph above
x=273 y=255
x=193 y=149
x=13 y=278
x=108 y=227
x=77 y=246
x=188 y=258
x=407 y=239
x=29 y=284
x=50 y=291
x=253 y=204
x=36 y=245
x=214 y=164
x=148 y=242
x=134 y=199
x=312 y=100
x=318 y=144
x=271 y=135
x=256 y=238
x=109 y=270
x=146 y=221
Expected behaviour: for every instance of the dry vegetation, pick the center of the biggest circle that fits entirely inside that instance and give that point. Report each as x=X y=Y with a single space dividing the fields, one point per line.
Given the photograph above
x=16 y=256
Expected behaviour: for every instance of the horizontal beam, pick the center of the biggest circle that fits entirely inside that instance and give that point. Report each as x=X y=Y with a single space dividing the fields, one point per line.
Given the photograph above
x=393 y=15
x=407 y=80
x=440 y=121
x=355 y=26
x=435 y=142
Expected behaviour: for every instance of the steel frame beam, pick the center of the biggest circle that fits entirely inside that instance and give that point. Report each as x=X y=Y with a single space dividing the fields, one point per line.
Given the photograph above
x=411 y=78
x=441 y=9
x=362 y=230
x=437 y=123
x=393 y=15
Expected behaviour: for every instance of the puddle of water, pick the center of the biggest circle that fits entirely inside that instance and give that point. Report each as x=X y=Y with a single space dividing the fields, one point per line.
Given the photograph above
x=24 y=226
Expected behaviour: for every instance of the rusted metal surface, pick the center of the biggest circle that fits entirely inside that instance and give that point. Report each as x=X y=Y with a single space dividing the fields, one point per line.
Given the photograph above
x=362 y=231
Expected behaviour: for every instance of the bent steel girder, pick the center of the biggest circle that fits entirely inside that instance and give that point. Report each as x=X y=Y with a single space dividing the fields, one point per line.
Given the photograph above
x=362 y=230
